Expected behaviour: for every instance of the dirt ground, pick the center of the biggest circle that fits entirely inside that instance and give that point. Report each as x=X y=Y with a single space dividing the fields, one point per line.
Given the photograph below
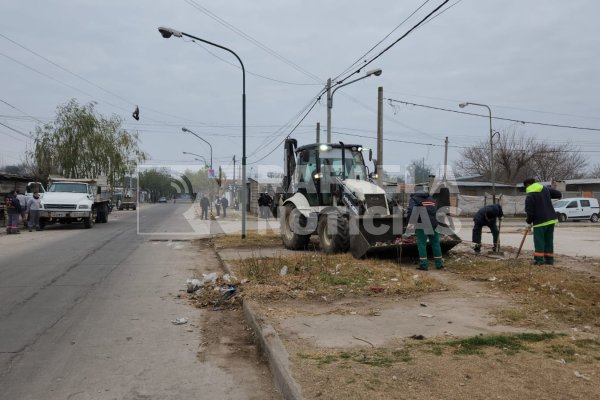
x=458 y=337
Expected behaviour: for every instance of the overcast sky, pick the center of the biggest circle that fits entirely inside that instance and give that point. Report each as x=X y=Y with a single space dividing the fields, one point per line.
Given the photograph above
x=534 y=60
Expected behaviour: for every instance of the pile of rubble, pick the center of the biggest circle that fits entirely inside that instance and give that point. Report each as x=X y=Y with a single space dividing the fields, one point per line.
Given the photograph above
x=214 y=291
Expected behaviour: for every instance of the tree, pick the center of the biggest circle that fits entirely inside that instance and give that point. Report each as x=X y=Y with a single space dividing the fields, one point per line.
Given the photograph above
x=518 y=156
x=81 y=143
x=157 y=182
x=594 y=171
x=419 y=171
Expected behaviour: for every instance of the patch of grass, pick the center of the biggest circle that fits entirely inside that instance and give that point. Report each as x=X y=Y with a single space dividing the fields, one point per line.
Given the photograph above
x=253 y=240
x=507 y=343
x=380 y=358
x=315 y=274
x=588 y=344
x=563 y=351
x=547 y=295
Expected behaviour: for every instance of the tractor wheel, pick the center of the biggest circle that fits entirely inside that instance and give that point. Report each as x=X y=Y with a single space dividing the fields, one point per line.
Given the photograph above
x=333 y=233
x=291 y=239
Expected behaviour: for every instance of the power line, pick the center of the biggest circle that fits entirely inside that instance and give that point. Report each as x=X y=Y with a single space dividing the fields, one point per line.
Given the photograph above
x=84 y=79
x=397 y=40
x=381 y=41
x=498 y=118
x=16 y=130
x=252 y=40
x=253 y=73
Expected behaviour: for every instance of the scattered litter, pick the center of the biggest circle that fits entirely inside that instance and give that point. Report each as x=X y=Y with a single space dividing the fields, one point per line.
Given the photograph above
x=179 y=321
x=212 y=277
x=352 y=312
x=283 y=270
x=580 y=375
x=363 y=340
x=377 y=289
x=416 y=277
x=394 y=378
x=394 y=279
x=446 y=333
x=193 y=285
x=561 y=361
x=423 y=304
x=227 y=278
x=189 y=330
x=492 y=279
x=324 y=298
x=418 y=337
x=426 y=315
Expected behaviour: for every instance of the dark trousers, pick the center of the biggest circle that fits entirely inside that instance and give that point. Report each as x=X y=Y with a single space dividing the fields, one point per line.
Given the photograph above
x=218 y=210
x=224 y=211
x=34 y=219
x=204 y=214
x=477 y=234
x=543 y=243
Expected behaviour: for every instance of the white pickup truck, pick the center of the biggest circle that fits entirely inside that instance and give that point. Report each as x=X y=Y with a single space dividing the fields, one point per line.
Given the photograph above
x=75 y=200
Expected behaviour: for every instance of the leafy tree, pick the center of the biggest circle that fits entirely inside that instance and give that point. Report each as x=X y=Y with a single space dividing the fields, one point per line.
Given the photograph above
x=517 y=156
x=419 y=171
x=81 y=143
x=157 y=182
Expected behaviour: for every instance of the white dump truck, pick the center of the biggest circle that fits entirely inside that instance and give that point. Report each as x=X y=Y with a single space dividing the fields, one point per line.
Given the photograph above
x=75 y=200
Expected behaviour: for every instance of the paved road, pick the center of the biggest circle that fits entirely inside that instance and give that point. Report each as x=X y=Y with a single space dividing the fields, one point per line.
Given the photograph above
x=85 y=314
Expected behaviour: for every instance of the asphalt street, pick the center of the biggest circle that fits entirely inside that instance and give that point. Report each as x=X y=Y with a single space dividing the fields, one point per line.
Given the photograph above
x=86 y=314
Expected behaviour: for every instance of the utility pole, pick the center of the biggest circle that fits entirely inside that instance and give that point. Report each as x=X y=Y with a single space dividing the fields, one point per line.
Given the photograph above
x=318 y=132
x=234 y=184
x=445 y=158
x=379 y=135
x=329 y=110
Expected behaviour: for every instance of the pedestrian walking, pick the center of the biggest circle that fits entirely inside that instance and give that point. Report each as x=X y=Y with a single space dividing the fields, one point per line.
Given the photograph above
x=421 y=217
x=218 y=206
x=487 y=216
x=204 y=204
x=23 y=202
x=34 y=205
x=224 y=205
x=542 y=217
x=13 y=209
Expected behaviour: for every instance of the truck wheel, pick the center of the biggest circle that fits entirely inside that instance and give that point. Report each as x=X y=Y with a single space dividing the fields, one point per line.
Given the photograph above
x=88 y=222
x=134 y=207
x=594 y=218
x=292 y=240
x=333 y=233
x=562 y=217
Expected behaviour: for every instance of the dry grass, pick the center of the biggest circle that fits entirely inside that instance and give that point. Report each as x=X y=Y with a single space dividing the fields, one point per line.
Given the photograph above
x=544 y=295
x=317 y=274
x=479 y=367
x=256 y=240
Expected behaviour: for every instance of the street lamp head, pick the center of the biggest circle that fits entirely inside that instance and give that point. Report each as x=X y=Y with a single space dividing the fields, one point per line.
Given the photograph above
x=375 y=72
x=463 y=105
x=168 y=32
x=184 y=129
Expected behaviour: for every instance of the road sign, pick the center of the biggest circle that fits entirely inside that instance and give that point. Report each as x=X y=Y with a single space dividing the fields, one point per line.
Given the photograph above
x=211 y=174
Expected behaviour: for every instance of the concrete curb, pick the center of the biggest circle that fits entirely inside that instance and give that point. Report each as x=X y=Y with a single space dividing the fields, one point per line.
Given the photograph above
x=272 y=347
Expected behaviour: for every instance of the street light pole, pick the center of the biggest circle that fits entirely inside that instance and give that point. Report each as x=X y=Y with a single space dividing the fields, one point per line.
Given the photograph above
x=205 y=141
x=330 y=94
x=167 y=33
x=492 y=170
x=197 y=155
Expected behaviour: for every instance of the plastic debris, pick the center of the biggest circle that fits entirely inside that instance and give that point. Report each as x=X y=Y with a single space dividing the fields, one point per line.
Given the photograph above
x=377 y=289
x=283 y=270
x=580 y=375
x=179 y=321
x=426 y=315
x=212 y=277
x=492 y=279
x=193 y=285
x=423 y=304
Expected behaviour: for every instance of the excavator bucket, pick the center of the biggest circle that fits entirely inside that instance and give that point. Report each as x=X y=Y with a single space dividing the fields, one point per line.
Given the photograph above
x=381 y=236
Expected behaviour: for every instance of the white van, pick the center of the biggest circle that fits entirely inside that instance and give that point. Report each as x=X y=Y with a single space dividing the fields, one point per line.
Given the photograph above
x=577 y=208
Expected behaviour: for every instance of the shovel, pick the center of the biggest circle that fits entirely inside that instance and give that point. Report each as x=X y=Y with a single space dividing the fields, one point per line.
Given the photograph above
x=497 y=251
x=522 y=242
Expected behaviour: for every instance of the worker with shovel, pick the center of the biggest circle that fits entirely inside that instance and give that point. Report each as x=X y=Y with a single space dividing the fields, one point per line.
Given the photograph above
x=542 y=217
x=487 y=216
x=422 y=221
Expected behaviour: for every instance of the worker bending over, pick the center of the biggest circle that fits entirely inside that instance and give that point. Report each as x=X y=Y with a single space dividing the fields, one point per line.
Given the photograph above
x=486 y=216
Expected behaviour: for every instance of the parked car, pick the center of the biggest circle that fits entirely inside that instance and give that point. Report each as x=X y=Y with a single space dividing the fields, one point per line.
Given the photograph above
x=577 y=208
x=162 y=200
